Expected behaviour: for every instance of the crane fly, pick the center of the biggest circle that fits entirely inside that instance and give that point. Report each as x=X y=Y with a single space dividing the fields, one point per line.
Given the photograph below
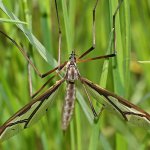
x=35 y=109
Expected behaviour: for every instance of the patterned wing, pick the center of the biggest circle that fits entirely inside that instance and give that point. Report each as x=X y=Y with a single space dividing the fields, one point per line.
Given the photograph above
x=29 y=114
x=122 y=107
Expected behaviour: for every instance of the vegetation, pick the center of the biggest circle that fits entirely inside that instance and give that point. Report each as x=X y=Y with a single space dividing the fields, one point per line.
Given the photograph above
x=123 y=75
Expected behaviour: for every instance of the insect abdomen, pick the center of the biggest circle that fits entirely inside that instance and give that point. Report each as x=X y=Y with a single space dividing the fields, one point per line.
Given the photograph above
x=68 y=105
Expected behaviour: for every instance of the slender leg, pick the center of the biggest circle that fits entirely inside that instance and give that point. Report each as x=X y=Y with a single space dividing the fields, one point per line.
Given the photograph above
x=114 y=37
x=60 y=35
x=48 y=81
x=28 y=59
x=42 y=87
x=95 y=58
x=29 y=79
x=91 y=105
x=99 y=113
x=93 y=33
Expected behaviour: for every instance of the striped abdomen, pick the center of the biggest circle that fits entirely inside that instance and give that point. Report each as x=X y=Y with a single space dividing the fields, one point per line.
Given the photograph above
x=68 y=105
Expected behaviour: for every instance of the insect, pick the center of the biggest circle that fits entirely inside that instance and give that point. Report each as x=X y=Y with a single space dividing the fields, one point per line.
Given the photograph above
x=33 y=111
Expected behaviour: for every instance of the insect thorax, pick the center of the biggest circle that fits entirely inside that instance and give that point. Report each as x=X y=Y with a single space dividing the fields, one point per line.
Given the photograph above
x=72 y=72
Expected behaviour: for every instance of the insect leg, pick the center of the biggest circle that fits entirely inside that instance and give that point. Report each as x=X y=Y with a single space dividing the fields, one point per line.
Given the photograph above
x=48 y=81
x=95 y=58
x=93 y=32
x=29 y=79
x=21 y=49
x=90 y=102
x=114 y=37
x=60 y=34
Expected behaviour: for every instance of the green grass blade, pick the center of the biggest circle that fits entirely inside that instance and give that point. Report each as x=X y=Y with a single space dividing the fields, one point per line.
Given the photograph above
x=32 y=39
x=11 y=21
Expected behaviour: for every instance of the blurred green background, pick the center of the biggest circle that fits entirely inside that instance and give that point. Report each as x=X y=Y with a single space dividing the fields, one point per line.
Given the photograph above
x=128 y=78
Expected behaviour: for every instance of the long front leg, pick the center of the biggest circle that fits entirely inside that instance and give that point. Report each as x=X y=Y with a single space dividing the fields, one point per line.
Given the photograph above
x=114 y=37
x=60 y=34
x=48 y=81
x=93 y=34
x=21 y=49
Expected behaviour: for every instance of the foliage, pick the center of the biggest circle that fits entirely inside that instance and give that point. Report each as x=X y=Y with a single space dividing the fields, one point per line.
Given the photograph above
x=122 y=75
